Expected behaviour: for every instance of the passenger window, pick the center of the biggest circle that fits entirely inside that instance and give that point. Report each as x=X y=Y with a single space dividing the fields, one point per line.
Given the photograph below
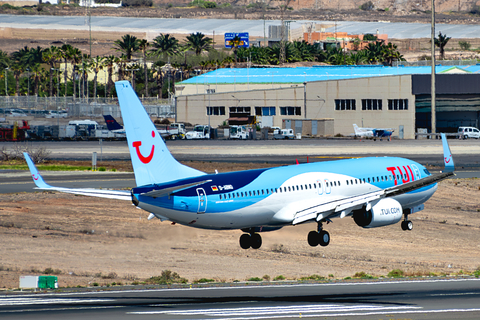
x=229 y=196
x=339 y=183
x=314 y=186
x=220 y=196
x=285 y=189
x=263 y=192
x=347 y=182
x=301 y=187
x=253 y=192
x=310 y=186
x=289 y=189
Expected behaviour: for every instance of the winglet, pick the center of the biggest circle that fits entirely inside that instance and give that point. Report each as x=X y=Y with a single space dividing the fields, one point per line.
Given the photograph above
x=447 y=155
x=37 y=178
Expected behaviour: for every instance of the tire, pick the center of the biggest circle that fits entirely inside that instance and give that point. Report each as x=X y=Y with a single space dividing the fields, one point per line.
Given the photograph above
x=256 y=241
x=409 y=225
x=245 y=241
x=313 y=238
x=324 y=238
x=465 y=137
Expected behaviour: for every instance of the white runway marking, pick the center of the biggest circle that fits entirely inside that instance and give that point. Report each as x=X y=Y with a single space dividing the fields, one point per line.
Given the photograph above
x=30 y=301
x=280 y=311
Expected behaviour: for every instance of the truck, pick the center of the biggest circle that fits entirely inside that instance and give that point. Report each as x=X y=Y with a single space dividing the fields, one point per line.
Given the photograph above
x=238 y=132
x=173 y=131
x=199 y=132
x=284 y=134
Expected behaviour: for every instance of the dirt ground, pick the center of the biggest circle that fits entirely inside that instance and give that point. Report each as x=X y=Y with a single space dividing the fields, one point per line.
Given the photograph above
x=86 y=240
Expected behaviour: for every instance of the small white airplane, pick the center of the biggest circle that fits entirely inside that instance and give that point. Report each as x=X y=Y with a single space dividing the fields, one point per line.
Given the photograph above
x=373 y=132
x=375 y=191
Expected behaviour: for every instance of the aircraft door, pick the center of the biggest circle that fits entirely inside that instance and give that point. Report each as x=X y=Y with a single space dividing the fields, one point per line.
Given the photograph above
x=416 y=172
x=202 y=200
x=328 y=187
x=320 y=187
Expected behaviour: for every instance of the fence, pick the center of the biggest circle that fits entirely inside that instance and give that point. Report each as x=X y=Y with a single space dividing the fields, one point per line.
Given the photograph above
x=39 y=106
x=425 y=63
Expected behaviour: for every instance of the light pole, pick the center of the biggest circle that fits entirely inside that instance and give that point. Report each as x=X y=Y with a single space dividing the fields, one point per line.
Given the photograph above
x=28 y=89
x=6 y=83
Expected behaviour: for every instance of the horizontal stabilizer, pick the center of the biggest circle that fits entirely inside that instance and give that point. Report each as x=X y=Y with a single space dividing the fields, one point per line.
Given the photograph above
x=40 y=183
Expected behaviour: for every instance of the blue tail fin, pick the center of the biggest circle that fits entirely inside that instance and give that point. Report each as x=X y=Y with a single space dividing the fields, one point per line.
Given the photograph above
x=151 y=160
x=112 y=124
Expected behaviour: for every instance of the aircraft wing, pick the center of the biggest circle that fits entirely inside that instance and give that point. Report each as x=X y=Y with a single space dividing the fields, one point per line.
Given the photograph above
x=100 y=193
x=343 y=207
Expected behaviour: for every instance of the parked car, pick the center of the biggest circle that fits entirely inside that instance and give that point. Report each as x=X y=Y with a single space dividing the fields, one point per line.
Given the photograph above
x=56 y=114
x=469 y=132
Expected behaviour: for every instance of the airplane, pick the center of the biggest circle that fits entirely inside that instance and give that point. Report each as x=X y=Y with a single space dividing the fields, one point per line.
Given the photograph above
x=374 y=191
x=373 y=132
x=113 y=125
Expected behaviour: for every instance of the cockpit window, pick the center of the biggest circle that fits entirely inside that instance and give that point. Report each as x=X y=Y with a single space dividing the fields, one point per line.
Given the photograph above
x=426 y=171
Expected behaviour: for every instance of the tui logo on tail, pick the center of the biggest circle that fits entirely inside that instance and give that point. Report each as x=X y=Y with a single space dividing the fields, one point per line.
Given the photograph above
x=143 y=159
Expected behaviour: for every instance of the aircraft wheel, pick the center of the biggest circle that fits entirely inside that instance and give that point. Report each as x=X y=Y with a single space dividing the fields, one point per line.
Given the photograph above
x=407 y=225
x=313 y=238
x=324 y=238
x=245 y=241
x=256 y=241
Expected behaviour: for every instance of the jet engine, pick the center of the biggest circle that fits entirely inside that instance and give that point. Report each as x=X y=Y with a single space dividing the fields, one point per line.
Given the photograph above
x=385 y=212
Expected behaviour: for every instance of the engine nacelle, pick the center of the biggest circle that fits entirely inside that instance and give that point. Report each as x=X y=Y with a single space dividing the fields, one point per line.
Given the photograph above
x=385 y=212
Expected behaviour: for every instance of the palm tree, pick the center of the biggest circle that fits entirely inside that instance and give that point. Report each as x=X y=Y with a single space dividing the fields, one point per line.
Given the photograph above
x=143 y=46
x=17 y=69
x=36 y=69
x=235 y=43
x=97 y=64
x=86 y=64
x=390 y=54
x=128 y=45
x=110 y=62
x=4 y=60
x=199 y=42
x=67 y=51
x=51 y=56
x=122 y=64
x=441 y=42
x=75 y=55
x=164 y=45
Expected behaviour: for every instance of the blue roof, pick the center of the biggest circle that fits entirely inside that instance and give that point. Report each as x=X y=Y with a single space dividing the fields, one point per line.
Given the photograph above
x=309 y=74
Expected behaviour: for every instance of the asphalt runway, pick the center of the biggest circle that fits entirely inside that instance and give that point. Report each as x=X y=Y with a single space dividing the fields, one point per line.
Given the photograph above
x=422 y=299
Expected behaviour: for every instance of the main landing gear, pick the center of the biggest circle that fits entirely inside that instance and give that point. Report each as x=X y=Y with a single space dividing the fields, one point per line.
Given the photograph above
x=319 y=237
x=250 y=240
x=407 y=224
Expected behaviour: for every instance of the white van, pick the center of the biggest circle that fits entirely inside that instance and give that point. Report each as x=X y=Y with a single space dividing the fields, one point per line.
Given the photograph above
x=469 y=132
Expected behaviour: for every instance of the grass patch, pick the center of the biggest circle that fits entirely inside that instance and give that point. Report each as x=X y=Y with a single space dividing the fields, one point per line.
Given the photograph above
x=46 y=167
x=204 y=280
x=313 y=277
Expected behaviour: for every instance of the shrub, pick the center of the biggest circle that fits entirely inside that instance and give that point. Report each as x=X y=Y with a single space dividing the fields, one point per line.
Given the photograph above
x=167 y=277
x=95 y=284
x=254 y=279
x=279 y=278
x=476 y=273
x=362 y=275
x=369 y=37
x=266 y=277
x=367 y=6
x=464 y=45
x=395 y=273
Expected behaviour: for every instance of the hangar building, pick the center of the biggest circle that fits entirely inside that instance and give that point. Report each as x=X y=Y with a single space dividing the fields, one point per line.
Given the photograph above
x=369 y=96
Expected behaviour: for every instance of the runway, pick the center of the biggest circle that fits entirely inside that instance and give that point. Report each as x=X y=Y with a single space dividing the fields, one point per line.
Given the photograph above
x=422 y=299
